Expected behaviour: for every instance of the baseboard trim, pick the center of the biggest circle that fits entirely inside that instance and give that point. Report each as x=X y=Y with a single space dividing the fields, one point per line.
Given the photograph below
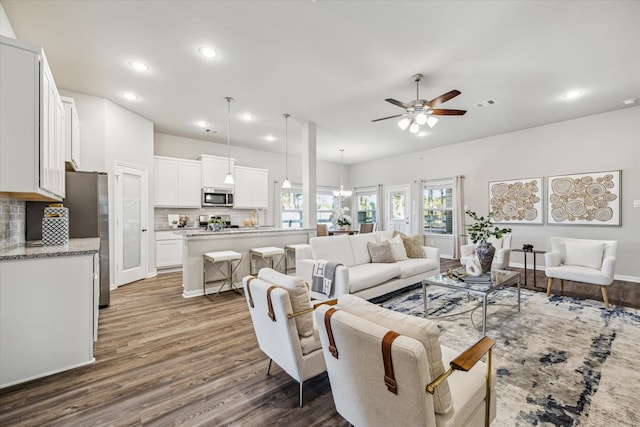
x=621 y=277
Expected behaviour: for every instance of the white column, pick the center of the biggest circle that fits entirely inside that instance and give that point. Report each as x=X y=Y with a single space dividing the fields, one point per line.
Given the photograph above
x=309 y=175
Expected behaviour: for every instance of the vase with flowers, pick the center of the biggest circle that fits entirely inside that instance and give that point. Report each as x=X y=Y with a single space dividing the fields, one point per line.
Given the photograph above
x=340 y=218
x=479 y=233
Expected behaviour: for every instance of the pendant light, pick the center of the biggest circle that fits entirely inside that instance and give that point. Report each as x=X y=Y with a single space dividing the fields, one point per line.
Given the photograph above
x=286 y=183
x=229 y=178
x=341 y=193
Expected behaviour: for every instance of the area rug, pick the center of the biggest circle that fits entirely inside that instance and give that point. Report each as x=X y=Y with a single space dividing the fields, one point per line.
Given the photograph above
x=560 y=361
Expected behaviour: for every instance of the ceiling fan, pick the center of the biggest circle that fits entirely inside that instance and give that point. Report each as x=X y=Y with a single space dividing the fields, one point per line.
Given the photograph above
x=421 y=111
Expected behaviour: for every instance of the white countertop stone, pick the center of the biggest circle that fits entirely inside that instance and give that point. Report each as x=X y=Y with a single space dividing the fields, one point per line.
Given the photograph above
x=73 y=247
x=240 y=231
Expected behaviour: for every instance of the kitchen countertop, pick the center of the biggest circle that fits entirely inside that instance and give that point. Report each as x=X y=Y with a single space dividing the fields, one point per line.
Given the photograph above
x=73 y=247
x=235 y=231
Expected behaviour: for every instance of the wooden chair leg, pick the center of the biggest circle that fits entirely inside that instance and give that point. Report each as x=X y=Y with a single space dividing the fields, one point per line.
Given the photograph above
x=550 y=282
x=605 y=297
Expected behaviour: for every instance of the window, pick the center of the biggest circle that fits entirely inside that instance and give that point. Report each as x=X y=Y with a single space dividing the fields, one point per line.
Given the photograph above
x=366 y=207
x=291 y=209
x=438 y=209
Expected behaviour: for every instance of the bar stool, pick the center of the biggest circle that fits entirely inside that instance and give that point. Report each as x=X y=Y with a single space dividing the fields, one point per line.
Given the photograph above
x=268 y=254
x=221 y=259
x=287 y=251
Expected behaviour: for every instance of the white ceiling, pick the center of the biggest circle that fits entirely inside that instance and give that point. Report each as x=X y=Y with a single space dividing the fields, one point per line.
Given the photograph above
x=334 y=63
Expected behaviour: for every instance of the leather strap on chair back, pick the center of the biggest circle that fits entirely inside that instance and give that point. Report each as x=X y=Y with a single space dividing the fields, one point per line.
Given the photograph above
x=271 y=314
x=327 y=324
x=249 y=290
x=389 y=377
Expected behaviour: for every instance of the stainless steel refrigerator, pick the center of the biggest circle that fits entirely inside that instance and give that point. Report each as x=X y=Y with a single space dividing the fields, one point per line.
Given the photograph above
x=88 y=203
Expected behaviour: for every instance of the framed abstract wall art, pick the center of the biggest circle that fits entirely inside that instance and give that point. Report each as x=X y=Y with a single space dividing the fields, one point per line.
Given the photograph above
x=517 y=201
x=591 y=198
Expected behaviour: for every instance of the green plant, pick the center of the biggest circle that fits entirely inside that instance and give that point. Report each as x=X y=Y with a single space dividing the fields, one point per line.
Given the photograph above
x=482 y=229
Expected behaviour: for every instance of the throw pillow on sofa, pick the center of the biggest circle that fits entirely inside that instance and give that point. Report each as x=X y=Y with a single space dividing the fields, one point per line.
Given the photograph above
x=412 y=244
x=397 y=249
x=380 y=252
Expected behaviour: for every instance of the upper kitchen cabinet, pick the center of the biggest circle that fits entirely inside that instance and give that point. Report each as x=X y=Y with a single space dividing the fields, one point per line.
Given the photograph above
x=71 y=134
x=177 y=182
x=252 y=188
x=31 y=125
x=214 y=171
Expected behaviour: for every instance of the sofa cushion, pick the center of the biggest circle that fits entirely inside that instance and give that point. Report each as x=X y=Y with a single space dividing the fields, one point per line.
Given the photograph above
x=397 y=249
x=413 y=266
x=423 y=330
x=585 y=254
x=359 y=247
x=365 y=276
x=412 y=245
x=332 y=248
x=380 y=252
x=298 y=295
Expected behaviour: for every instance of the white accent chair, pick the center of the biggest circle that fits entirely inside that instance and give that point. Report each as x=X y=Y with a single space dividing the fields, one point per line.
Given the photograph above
x=500 y=258
x=581 y=260
x=383 y=367
x=282 y=318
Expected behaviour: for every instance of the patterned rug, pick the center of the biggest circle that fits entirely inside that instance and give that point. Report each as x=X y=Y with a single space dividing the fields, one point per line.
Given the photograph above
x=560 y=361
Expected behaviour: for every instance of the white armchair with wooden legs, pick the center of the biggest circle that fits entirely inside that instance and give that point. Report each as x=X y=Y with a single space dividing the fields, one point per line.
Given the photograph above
x=282 y=317
x=387 y=369
x=581 y=260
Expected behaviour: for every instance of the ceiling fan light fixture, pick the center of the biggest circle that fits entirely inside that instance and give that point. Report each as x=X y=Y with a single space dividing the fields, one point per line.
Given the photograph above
x=431 y=121
x=404 y=123
x=421 y=118
x=414 y=128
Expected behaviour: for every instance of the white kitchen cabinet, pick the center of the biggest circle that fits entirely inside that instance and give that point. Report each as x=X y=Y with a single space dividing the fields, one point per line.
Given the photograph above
x=177 y=182
x=252 y=188
x=32 y=117
x=71 y=134
x=168 y=249
x=47 y=315
x=215 y=170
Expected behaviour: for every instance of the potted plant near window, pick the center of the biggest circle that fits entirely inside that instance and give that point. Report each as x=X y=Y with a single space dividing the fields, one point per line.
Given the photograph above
x=479 y=233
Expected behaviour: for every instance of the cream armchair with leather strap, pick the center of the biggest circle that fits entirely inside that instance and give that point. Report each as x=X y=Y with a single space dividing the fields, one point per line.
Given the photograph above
x=388 y=368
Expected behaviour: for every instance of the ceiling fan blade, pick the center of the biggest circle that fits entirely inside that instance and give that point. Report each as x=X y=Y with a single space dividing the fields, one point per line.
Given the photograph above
x=390 y=117
x=398 y=103
x=447 y=112
x=443 y=98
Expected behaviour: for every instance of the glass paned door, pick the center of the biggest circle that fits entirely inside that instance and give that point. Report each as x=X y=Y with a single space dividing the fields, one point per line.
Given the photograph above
x=398 y=210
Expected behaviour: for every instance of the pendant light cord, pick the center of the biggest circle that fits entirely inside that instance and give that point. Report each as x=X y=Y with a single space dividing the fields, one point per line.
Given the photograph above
x=286 y=146
x=229 y=99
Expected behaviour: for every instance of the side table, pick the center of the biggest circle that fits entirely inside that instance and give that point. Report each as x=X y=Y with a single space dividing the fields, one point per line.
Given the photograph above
x=535 y=253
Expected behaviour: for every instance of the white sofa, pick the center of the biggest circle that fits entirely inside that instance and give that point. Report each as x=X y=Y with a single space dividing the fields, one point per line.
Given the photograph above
x=500 y=258
x=358 y=275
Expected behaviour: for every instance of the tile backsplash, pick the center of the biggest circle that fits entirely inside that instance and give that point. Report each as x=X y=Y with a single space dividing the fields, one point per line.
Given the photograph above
x=12 y=222
x=237 y=215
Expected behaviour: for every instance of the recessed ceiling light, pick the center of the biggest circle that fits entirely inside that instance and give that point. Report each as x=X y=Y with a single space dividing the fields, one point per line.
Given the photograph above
x=208 y=52
x=202 y=124
x=270 y=138
x=572 y=94
x=247 y=117
x=139 y=66
x=629 y=101
x=129 y=96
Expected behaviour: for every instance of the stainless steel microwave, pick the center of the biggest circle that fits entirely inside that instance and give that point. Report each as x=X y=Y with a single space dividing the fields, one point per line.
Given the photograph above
x=217 y=197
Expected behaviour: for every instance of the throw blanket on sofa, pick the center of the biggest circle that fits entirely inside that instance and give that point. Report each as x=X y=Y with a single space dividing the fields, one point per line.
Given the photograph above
x=322 y=277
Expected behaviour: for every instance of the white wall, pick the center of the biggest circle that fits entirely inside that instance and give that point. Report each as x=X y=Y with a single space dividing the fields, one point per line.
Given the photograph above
x=6 y=29
x=602 y=142
x=110 y=133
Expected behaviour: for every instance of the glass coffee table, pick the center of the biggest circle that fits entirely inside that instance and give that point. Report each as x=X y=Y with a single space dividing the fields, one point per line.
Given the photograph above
x=499 y=278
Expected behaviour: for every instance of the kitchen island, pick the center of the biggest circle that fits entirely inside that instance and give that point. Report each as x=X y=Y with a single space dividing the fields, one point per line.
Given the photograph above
x=197 y=242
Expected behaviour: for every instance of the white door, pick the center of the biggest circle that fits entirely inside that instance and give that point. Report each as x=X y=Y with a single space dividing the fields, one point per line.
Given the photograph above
x=131 y=201
x=398 y=208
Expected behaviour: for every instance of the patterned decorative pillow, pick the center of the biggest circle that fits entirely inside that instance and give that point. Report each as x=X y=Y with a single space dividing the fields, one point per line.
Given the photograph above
x=380 y=252
x=397 y=249
x=412 y=244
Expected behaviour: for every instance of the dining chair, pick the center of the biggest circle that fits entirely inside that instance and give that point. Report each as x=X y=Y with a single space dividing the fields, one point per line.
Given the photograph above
x=366 y=228
x=322 y=230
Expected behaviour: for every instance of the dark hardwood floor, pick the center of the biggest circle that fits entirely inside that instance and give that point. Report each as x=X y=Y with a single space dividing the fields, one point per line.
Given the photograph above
x=164 y=360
